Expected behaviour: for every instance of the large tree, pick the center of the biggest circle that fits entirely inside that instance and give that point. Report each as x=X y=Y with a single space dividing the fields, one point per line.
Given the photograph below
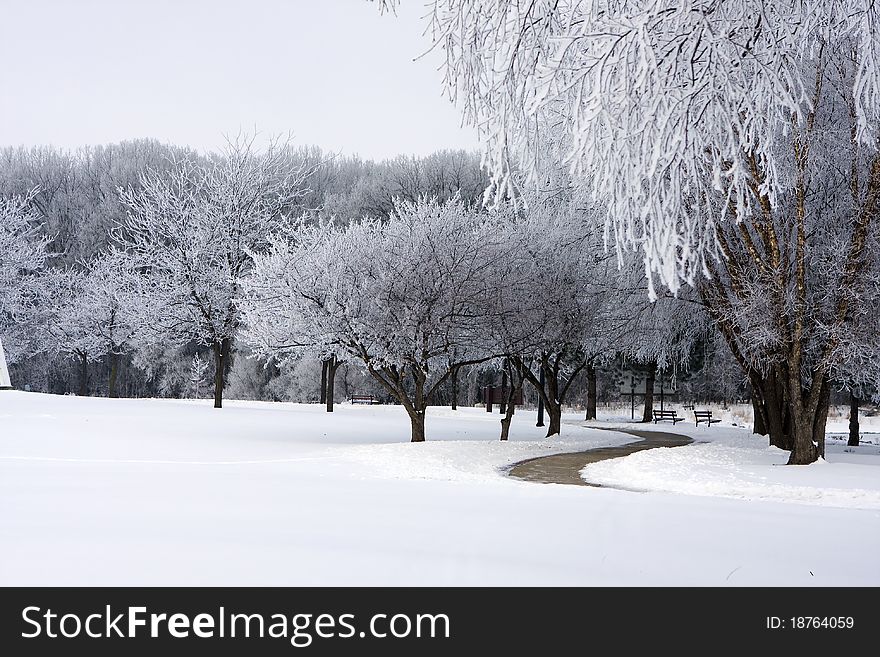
x=194 y=230
x=401 y=296
x=734 y=143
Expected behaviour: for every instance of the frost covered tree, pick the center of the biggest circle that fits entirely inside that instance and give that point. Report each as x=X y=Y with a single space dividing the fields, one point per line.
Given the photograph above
x=198 y=376
x=194 y=230
x=68 y=324
x=555 y=307
x=22 y=253
x=398 y=296
x=22 y=258
x=73 y=193
x=734 y=143
x=93 y=313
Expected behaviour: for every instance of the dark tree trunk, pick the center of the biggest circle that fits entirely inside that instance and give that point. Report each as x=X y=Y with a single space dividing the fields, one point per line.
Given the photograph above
x=774 y=410
x=807 y=426
x=417 y=420
x=221 y=360
x=591 y=392
x=114 y=371
x=83 y=374
x=554 y=413
x=332 y=365
x=393 y=381
x=804 y=451
x=324 y=364
x=548 y=390
x=648 y=415
x=454 y=376
x=552 y=403
x=853 y=421
x=759 y=423
x=540 y=422
x=416 y=406
x=821 y=418
x=508 y=415
x=516 y=382
x=779 y=418
x=502 y=407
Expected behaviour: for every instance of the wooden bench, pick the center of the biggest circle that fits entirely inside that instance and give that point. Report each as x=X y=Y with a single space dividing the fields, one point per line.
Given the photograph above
x=363 y=399
x=688 y=407
x=704 y=416
x=666 y=415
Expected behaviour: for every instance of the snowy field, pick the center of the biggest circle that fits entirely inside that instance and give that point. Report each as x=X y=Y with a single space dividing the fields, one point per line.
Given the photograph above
x=154 y=492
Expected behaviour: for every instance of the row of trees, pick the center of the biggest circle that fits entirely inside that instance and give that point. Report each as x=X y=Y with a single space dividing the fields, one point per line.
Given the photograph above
x=526 y=289
x=735 y=145
x=212 y=249
x=439 y=286
x=97 y=220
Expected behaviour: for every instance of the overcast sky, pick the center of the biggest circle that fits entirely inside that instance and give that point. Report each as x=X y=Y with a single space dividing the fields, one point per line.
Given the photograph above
x=334 y=72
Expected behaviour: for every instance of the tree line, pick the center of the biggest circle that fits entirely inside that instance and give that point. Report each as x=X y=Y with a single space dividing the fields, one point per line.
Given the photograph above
x=163 y=258
x=166 y=263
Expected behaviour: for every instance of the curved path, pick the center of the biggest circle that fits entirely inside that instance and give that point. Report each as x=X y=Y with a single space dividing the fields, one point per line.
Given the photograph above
x=566 y=468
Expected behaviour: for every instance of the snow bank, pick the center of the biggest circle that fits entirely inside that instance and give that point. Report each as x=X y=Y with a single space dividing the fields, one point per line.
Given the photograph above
x=728 y=461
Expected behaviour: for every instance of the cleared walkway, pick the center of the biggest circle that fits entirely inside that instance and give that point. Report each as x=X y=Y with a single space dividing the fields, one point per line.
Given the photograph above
x=565 y=468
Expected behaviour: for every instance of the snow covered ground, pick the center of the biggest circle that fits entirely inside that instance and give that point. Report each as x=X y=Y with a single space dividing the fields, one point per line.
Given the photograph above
x=729 y=461
x=152 y=492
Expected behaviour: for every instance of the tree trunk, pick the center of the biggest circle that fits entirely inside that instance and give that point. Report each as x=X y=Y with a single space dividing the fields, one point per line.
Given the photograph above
x=324 y=364
x=502 y=407
x=508 y=415
x=454 y=376
x=83 y=374
x=807 y=425
x=759 y=422
x=552 y=403
x=804 y=452
x=774 y=414
x=853 y=421
x=540 y=422
x=820 y=420
x=648 y=415
x=332 y=365
x=417 y=420
x=221 y=359
x=547 y=387
x=591 y=392
x=392 y=381
x=516 y=382
x=554 y=413
x=114 y=371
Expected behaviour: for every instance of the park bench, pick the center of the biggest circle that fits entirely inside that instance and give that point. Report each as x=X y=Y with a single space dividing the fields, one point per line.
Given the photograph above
x=666 y=415
x=704 y=416
x=363 y=399
x=688 y=407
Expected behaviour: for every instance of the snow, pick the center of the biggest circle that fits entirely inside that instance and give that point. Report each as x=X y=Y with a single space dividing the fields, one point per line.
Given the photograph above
x=158 y=492
x=730 y=461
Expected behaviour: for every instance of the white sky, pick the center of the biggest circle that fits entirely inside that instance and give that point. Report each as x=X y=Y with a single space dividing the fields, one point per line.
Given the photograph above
x=333 y=72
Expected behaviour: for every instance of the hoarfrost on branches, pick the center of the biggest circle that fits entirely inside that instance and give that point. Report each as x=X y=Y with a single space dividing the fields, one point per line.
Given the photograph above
x=662 y=109
x=193 y=230
x=401 y=296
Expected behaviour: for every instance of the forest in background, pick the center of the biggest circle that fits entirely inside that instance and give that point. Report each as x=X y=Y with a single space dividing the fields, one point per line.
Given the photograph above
x=75 y=203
